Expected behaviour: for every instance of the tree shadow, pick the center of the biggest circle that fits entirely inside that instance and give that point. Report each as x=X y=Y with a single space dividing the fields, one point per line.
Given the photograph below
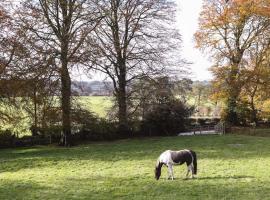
x=223 y=177
x=210 y=178
x=18 y=189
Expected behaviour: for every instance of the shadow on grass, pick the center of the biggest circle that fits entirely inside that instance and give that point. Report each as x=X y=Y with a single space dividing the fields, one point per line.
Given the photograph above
x=222 y=177
x=210 y=178
x=21 y=190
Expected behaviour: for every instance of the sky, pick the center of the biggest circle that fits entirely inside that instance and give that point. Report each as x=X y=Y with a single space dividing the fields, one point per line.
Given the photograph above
x=187 y=20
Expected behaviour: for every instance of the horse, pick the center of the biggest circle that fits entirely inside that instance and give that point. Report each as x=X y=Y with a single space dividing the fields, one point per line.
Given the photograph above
x=170 y=158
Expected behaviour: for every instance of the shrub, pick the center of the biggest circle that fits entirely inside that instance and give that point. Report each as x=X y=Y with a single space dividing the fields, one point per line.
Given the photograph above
x=100 y=130
x=166 y=119
x=6 y=138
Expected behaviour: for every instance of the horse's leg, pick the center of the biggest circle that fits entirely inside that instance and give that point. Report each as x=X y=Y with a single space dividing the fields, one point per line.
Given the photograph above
x=172 y=173
x=170 y=170
x=190 y=168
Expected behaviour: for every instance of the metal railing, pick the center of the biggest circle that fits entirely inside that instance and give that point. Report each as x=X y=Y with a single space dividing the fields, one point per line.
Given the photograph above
x=208 y=129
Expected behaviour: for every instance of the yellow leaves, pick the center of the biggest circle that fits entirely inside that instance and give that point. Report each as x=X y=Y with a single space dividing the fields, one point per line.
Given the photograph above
x=251 y=7
x=264 y=8
x=220 y=13
x=265 y=109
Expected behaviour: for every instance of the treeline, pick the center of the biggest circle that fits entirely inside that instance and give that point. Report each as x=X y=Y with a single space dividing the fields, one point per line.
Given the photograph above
x=157 y=107
x=136 y=45
x=43 y=42
x=78 y=88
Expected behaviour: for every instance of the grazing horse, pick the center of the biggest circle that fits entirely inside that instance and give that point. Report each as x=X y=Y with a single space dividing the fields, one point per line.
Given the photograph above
x=170 y=158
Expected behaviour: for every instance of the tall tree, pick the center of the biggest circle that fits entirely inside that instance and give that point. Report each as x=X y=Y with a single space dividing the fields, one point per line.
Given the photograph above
x=133 y=41
x=227 y=31
x=57 y=30
x=6 y=40
x=257 y=76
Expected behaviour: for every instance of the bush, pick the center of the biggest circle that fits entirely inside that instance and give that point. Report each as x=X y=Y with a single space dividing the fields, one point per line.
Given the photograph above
x=92 y=128
x=6 y=138
x=31 y=141
x=99 y=130
x=85 y=126
x=166 y=119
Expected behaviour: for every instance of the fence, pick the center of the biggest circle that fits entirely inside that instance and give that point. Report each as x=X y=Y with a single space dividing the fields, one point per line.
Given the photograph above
x=220 y=128
x=206 y=129
x=25 y=141
x=253 y=131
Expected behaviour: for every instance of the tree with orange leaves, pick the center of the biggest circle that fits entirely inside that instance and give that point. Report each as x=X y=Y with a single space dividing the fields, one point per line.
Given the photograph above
x=226 y=31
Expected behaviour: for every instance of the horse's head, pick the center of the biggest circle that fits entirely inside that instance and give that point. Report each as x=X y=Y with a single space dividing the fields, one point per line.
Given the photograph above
x=158 y=170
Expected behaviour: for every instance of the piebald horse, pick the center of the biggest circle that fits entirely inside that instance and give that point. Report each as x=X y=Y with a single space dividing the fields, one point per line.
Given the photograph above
x=170 y=158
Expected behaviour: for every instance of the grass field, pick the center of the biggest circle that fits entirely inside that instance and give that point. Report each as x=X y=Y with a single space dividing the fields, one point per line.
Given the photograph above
x=100 y=105
x=230 y=167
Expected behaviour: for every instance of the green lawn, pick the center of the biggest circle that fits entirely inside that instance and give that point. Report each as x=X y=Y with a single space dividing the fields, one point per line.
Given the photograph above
x=229 y=167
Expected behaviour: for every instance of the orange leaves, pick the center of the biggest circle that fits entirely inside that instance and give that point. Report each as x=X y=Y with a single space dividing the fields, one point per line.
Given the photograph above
x=257 y=7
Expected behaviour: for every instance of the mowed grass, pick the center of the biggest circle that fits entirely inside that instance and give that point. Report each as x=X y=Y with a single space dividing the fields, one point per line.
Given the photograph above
x=229 y=167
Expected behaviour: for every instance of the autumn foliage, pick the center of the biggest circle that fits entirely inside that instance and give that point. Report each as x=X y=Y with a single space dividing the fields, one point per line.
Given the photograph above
x=235 y=35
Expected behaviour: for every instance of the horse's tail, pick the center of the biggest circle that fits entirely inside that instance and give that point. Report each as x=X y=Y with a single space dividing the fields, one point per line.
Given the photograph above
x=194 y=161
x=158 y=169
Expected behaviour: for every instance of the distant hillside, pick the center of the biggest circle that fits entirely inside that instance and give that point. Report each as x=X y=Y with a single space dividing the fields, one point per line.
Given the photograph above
x=91 y=88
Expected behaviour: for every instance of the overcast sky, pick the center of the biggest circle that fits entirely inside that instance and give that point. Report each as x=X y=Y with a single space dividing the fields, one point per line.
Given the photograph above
x=188 y=13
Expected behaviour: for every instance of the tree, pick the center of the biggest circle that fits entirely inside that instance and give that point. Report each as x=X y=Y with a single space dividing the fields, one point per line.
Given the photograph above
x=150 y=92
x=6 y=47
x=256 y=77
x=133 y=41
x=182 y=89
x=227 y=31
x=164 y=113
x=57 y=30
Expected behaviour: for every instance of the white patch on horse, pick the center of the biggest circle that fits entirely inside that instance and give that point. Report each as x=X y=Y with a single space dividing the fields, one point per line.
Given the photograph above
x=170 y=169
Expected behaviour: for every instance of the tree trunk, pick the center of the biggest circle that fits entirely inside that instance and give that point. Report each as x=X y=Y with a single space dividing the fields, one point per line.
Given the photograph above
x=65 y=103
x=233 y=94
x=34 y=131
x=232 y=116
x=122 y=104
x=254 y=112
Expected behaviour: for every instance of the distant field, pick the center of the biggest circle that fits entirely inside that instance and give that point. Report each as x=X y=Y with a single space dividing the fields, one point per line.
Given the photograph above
x=102 y=104
x=229 y=168
x=97 y=104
